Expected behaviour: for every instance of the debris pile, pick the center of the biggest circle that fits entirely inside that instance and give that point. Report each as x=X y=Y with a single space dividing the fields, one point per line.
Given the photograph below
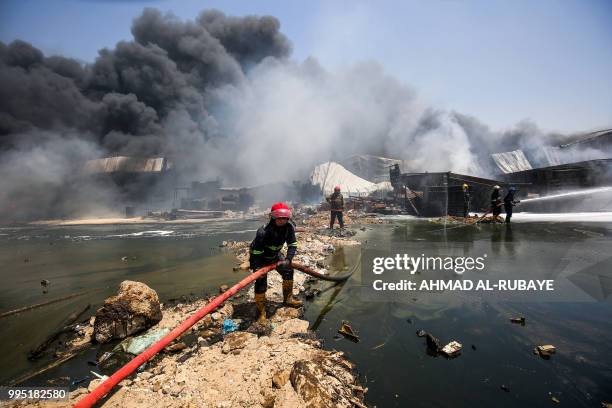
x=135 y=308
x=434 y=347
x=246 y=370
x=470 y=219
x=284 y=367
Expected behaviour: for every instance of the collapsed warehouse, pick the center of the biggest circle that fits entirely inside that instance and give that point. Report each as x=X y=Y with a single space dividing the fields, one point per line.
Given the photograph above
x=441 y=193
x=583 y=164
x=141 y=181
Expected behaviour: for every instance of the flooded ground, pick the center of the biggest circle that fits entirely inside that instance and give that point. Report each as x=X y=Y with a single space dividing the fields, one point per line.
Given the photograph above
x=175 y=260
x=392 y=361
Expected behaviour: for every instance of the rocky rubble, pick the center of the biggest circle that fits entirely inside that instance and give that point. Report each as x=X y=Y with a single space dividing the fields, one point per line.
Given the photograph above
x=135 y=308
x=245 y=370
x=285 y=368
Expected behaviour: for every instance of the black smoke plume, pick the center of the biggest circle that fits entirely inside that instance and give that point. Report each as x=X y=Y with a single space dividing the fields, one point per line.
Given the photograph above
x=217 y=96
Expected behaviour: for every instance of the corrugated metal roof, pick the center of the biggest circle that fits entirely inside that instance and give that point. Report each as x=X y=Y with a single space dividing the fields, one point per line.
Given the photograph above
x=552 y=155
x=509 y=162
x=125 y=164
x=370 y=167
x=590 y=137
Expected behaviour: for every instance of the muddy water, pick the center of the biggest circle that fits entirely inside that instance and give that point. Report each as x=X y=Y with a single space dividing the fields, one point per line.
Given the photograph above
x=175 y=260
x=395 y=365
x=393 y=362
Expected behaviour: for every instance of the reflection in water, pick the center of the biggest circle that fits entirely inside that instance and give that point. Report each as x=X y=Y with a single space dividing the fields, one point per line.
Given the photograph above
x=337 y=288
x=393 y=361
x=337 y=262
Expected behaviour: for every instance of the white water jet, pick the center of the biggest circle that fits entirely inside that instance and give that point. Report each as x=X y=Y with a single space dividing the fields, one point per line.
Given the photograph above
x=569 y=194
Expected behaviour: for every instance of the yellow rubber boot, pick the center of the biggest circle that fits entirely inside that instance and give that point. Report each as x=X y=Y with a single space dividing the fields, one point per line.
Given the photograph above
x=288 y=299
x=260 y=303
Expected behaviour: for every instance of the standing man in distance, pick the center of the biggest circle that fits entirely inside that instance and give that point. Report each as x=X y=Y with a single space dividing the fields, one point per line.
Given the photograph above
x=496 y=203
x=466 y=200
x=336 y=202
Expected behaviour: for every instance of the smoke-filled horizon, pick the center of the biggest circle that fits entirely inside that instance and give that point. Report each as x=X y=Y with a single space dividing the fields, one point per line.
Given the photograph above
x=220 y=97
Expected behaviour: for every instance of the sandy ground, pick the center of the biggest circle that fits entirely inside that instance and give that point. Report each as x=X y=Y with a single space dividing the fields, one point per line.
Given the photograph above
x=122 y=221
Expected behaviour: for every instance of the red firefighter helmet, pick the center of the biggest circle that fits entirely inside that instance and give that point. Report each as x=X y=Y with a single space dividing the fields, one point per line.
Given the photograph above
x=337 y=188
x=280 y=210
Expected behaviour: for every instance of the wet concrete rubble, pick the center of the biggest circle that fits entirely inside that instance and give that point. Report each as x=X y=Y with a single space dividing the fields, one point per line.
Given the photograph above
x=470 y=219
x=227 y=359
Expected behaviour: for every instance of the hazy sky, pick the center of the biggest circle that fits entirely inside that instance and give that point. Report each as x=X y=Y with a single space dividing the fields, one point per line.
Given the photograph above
x=502 y=61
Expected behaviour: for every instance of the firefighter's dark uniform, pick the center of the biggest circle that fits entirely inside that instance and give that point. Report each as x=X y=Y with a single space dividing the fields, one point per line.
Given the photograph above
x=508 y=204
x=495 y=203
x=336 y=202
x=265 y=250
x=466 y=202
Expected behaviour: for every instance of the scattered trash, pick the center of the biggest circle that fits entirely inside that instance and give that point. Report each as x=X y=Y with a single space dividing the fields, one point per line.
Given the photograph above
x=433 y=343
x=124 y=258
x=44 y=282
x=452 y=349
x=347 y=331
x=136 y=345
x=229 y=326
x=553 y=398
x=68 y=325
x=473 y=347
x=518 y=320
x=176 y=347
x=311 y=293
x=104 y=357
x=378 y=346
x=99 y=376
x=606 y=404
x=505 y=388
x=79 y=381
x=545 y=351
x=223 y=288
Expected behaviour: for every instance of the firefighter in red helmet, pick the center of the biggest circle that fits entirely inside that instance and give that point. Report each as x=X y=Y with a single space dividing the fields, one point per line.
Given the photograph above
x=336 y=202
x=265 y=250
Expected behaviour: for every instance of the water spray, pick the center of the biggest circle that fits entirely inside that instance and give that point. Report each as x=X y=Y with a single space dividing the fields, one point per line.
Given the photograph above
x=569 y=194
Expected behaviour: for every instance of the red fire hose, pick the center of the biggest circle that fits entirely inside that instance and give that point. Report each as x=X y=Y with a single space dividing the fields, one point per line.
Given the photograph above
x=103 y=389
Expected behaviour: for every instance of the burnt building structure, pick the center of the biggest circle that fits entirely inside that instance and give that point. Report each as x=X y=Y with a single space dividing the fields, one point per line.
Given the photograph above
x=563 y=177
x=141 y=181
x=441 y=193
